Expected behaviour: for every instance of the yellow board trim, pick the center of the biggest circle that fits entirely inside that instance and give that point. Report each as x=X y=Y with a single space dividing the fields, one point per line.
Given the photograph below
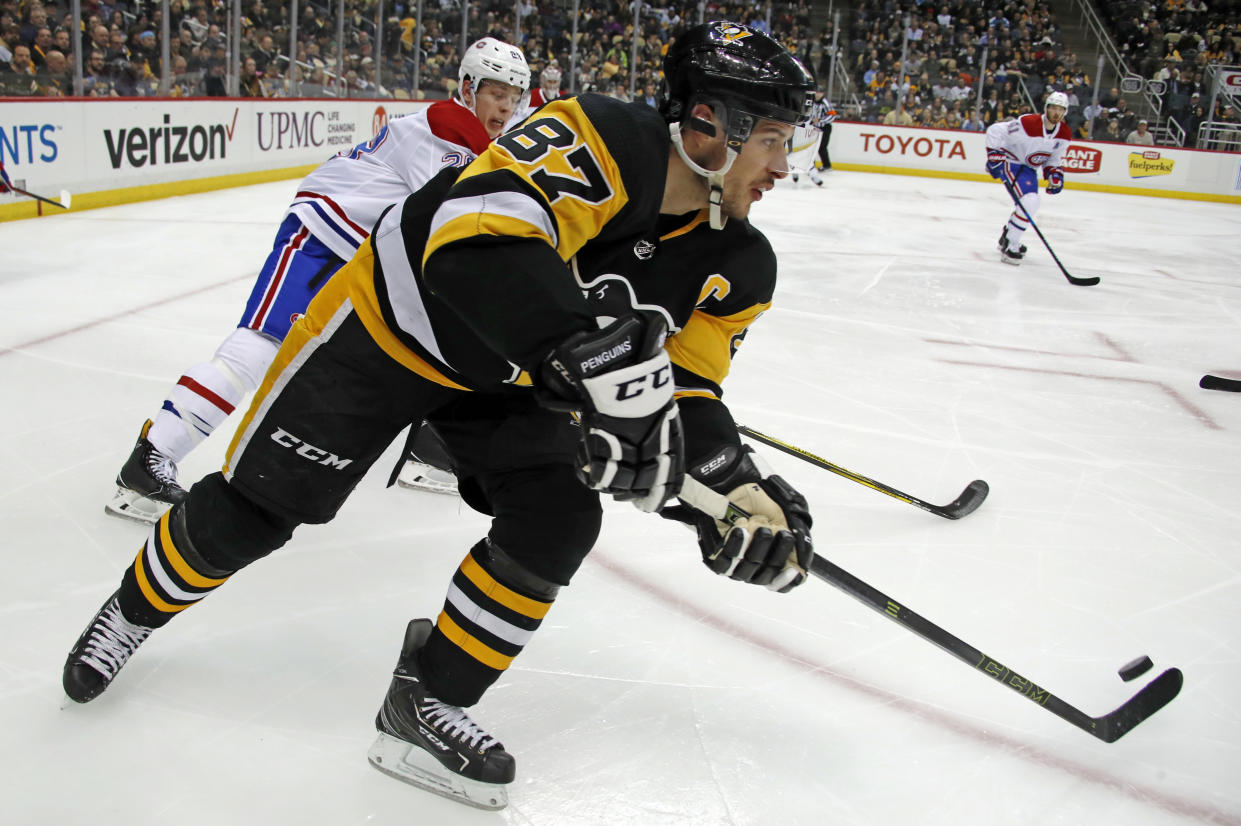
x=971 y=176
x=26 y=208
x=508 y=598
x=458 y=637
x=178 y=562
x=144 y=585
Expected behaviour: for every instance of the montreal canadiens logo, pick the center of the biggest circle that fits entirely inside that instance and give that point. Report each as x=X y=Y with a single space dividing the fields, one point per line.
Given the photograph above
x=1037 y=158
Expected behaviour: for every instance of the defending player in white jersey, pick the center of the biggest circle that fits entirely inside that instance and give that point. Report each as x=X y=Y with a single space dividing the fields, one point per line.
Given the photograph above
x=333 y=213
x=1015 y=149
x=803 y=149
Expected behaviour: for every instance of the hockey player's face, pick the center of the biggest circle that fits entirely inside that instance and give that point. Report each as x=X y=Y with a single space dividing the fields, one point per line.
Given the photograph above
x=1054 y=114
x=495 y=104
x=761 y=162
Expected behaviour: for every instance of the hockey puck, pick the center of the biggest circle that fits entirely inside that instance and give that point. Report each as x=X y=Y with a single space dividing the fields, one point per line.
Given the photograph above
x=1137 y=668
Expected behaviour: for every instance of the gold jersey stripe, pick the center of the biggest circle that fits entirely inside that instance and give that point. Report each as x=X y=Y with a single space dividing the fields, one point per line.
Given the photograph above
x=152 y=597
x=703 y=347
x=486 y=583
x=689 y=394
x=484 y=654
x=698 y=219
x=481 y=223
x=178 y=562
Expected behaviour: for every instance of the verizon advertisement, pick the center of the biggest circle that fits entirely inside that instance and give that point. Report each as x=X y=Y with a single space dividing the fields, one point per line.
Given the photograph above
x=1135 y=169
x=103 y=145
x=112 y=147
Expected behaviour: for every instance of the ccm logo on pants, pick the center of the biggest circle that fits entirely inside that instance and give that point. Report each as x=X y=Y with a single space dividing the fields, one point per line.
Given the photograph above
x=317 y=455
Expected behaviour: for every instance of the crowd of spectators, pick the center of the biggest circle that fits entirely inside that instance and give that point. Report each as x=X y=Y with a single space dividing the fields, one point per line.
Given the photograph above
x=945 y=44
x=937 y=86
x=1174 y=41
x=121 y=50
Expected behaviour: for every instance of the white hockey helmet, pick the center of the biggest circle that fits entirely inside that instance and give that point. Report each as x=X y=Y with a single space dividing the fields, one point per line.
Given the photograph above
x=491 y=59
x=1057 y=99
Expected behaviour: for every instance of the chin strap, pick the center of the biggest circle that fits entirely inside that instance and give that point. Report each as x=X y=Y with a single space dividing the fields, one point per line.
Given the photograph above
x=715 y=178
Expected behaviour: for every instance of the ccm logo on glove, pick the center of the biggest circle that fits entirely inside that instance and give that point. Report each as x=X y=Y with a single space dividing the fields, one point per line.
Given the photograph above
x=634 y=387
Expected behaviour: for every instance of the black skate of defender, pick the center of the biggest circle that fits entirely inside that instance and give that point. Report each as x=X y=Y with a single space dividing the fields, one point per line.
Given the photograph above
x=433 y=745
x=147 y=484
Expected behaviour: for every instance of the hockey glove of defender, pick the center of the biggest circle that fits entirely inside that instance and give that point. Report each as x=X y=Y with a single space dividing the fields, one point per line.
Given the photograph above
x=770 y=547
x=619 y=380
x=997 y=165
x=1055 y=179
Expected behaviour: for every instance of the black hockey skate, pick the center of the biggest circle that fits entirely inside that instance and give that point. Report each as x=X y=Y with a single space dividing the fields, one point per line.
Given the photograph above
x=435 y=746
x=1011 y=256
x=420 y=475
x=428 y=465
x=102 y=650
x=1003 y=243
x=147 y=484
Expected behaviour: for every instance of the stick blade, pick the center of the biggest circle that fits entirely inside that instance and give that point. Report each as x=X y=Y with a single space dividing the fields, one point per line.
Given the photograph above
x=969 y=500
x=1209 y=382
x=65 y=198
x=1154 y=696
x=1083 y=282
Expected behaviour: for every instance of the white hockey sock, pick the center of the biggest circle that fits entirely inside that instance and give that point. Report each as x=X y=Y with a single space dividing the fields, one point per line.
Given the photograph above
x=209 y=391
x=1016 y=228
x=1018 y=223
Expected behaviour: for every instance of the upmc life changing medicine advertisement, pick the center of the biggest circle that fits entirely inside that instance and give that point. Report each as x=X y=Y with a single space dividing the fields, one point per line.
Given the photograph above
x=92 y=146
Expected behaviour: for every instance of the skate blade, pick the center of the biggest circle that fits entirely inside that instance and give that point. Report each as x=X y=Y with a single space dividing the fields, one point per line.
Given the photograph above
x=417 y=767
x=135 y=507
x=417 y=476
x=1016 y=262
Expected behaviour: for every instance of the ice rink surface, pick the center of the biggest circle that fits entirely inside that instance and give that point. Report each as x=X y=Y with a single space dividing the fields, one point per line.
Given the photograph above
x=657 y=693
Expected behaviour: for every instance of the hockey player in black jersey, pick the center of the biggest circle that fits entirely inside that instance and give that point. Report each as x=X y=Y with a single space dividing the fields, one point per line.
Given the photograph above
x=501 y=304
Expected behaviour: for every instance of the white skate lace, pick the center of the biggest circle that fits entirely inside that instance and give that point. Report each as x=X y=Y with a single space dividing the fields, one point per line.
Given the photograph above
x=162 y=468
x=454 y=721
x=112 y=640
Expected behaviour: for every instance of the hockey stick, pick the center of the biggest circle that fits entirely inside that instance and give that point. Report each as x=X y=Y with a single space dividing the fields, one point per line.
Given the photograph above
x=1109 y=727
x=1209 y=382
x=1012 y=193
x=963 y=505
x=63 y=203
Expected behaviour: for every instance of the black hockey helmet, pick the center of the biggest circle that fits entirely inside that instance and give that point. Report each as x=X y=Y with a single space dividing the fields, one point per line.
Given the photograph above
x=737 y=67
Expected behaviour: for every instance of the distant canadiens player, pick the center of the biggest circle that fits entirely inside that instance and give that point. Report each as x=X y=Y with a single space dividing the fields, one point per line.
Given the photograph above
x=548 y=88
x=1015 y=150
x=332 y=214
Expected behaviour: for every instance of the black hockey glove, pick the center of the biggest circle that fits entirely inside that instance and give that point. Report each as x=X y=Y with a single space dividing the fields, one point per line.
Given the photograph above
x=772 y=547
x=619 y=380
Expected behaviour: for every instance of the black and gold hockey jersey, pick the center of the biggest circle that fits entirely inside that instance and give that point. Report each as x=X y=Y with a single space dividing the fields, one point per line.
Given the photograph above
x=471 y=281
